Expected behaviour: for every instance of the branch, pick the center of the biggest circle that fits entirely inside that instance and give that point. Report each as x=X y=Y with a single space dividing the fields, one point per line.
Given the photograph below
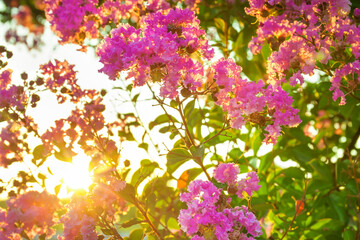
x=185 y=124
x=167 y=114
x=144 y=213
x=217 y=134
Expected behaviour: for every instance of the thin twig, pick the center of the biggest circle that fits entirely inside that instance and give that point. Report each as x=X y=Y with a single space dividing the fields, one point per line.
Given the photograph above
x=185 y=123
x=144 y=213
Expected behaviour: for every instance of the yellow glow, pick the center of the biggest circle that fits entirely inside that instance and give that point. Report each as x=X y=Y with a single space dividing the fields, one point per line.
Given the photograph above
x=76 y=176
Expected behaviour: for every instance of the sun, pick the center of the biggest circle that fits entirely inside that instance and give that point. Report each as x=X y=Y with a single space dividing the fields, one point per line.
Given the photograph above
x=77 y=176
x=72 y=176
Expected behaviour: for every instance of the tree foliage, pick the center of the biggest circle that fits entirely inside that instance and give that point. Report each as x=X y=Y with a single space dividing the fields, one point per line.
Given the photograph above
x=267 y=89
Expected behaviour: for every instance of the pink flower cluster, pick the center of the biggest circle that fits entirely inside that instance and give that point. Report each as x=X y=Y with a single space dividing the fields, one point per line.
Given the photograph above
x=86 y=211
x=74 y=21
x=60 y=78
x=11 y=96
x=228 y=173
x=24 y=17
x=78 y=221
x=5 y=78
x=105 y=195
x=160 y=52
x=307 y=35
x=350 y=72
x=246 y=101
x=13 y=101
x=209 y=213
x=11 y=145
x=30 y=213
x=85 y=126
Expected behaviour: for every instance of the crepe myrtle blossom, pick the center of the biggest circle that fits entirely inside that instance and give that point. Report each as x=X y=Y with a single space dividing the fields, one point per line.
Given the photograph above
x=73 y=20
x=30 y=213
x=308 y=35
x=252 y=102
x=209 y=214
x=348 y=72
x=228 y=173
x=158 y=52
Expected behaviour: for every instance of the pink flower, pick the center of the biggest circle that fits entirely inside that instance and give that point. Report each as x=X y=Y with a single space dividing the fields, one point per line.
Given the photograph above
x=78 y=221
x=160 y=52
x=209 y=213
x=61 y=79
x=246 y=101
x=11 y=146
x=347 y=72
x=226 y=173
x=31 y=212
x=5 y=78
x=249 y=185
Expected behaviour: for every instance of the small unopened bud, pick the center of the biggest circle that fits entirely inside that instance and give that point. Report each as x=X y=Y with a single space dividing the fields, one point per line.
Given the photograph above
x=126 y=163
x=35 y=98
x=24 y=76
x=9 y=54
x=39 y=81
x=185 y=92
x=56 y=75
x=232 y=190
x=64 y=90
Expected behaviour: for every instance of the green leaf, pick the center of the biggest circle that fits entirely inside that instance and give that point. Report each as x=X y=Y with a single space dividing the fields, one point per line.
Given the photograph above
x=107 y=231
x=144 y=146
x=38 y=152
x=326 y=224
x=128 y=193
x=127 y=135
x=349 y=234
x=129 y=87
x=198 y=151
x=294 y=172
x=266 y=51
x=161 y=119
x=151 y=200
x=173 y=103
x=267 y=160
x=256 y=142
x=147 y=168
x=137 y=234
x=235 y=154
x=65 y=155
x=57 y=189
x=42 y=176
x=219 y=24
x=131 y=222
x=176 y=157
x=188 y=109
x=337 y=201
x=172 y=223
x=134 y=99
x=303 y=153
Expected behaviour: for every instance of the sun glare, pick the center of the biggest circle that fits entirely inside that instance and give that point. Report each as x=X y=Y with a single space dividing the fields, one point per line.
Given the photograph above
x=77 y=176
x=74 y=176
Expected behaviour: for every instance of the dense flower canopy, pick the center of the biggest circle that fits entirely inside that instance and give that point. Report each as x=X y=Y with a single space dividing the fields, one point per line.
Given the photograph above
x=232 y=79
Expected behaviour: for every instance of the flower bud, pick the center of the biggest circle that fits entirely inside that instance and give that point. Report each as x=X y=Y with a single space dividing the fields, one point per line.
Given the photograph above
x=185 y=92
